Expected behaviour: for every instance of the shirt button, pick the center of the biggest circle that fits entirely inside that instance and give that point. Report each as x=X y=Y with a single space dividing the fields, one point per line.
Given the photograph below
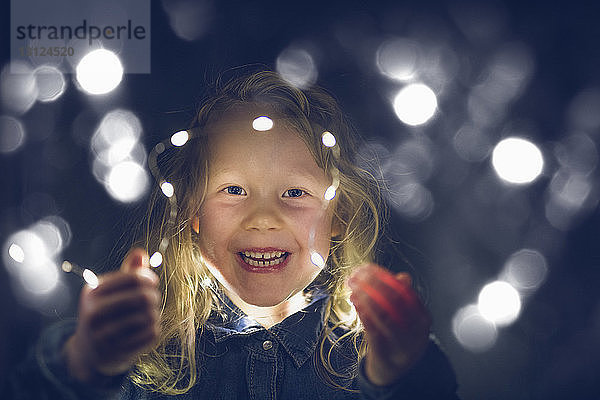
x=267 y=345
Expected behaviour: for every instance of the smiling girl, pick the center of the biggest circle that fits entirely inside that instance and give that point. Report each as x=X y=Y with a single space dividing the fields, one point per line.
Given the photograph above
x=239 y=308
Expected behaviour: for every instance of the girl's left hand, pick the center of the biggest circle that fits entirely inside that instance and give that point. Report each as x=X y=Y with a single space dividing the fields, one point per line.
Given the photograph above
x=396 y=322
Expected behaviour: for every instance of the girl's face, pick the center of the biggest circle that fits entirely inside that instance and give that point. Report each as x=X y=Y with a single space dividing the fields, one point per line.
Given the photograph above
x=264 y=197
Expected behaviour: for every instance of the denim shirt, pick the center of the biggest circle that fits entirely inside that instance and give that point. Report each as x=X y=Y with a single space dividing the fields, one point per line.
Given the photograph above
x=240 y=359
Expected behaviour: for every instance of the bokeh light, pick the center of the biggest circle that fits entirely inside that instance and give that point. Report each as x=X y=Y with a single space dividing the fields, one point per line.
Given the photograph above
x=329 y=193
x=127 y=182
x=569 y=195
x=525 y=270
x=577 y=153
x=583 y=110
x=415 y=104
x=262 y=123
x=472 y=330
x=411 y=200
x=18 y=87
x=90 y=278
x=328 y=139
x=50 y=82
x=472 y=143
x=12 y=134
x=16 y=253
x=156 y=259
x=297 y=67
x=397 y=58
x=189 y=20
x=317 y=259
x=119 y=156
x=30 y=258
x=180 y=138
x=517 y=160
x=99 y=72
x=499 y=302
x=167 y=189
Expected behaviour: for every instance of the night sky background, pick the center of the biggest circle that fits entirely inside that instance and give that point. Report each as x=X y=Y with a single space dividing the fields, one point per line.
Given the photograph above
x=474 y=222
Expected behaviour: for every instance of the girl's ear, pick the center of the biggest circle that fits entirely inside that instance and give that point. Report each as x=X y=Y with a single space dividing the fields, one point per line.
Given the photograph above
x=196 y=224
x=336 y=227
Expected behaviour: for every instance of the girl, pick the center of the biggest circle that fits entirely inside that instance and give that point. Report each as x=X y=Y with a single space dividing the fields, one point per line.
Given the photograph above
x=265 y=290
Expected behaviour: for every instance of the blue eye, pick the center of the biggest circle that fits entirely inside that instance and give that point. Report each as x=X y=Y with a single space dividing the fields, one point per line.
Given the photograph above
x=294 y=193
x=235 y=190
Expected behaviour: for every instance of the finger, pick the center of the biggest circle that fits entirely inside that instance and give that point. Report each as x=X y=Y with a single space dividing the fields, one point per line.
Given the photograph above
x=380 y=305
x=409 y=300
x=371 y=319
x=122 y=304
x=118 y=281
x=123 y=330
x=135 y=259
x=399 y=293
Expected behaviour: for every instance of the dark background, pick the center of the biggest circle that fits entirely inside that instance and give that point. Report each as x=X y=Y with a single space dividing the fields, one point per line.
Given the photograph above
x=552 y=351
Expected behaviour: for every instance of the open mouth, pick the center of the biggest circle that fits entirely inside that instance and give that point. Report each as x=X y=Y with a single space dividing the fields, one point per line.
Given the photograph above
x=263 y=259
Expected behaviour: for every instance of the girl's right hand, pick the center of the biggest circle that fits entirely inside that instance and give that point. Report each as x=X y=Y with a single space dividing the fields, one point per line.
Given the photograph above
x=118 y=321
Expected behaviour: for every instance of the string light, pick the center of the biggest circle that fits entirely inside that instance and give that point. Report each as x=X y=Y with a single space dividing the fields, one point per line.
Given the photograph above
x=85 y=273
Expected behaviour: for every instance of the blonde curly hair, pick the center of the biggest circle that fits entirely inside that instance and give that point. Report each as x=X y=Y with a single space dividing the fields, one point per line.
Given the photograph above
x=188 y=288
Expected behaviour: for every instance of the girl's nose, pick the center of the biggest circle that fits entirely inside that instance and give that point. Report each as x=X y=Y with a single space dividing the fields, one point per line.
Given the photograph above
x=263 y=217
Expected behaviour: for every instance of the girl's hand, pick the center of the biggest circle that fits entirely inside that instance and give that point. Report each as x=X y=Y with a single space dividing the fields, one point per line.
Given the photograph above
x=396 y=322
x=118 y=320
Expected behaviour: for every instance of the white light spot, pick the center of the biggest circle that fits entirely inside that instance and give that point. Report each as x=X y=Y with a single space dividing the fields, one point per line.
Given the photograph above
x=415 y=104
x=317 y=259
x=517 y=160
x=18 y=88
x=156 y=259
x=50 y=81
x=12 y=134
x=40 y=279
x=127 y=182
x=473 y=332
x=167 y=189
x=262 y=123
x=99 y=71
x=297 y=67
x=526 y=269
x=118 y=151
x=329 y=193
x=328 y=139
x=16 y=253
x=180 y=138
x=397 y=58
x=90 y=278
x=116 y=125
x=499 y=302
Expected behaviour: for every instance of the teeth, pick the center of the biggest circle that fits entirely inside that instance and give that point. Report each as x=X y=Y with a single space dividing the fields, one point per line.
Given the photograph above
x=265 y=263
x=274 y=254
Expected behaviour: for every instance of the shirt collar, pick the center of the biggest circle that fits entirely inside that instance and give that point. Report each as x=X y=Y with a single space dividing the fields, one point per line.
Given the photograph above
x=298 y=334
